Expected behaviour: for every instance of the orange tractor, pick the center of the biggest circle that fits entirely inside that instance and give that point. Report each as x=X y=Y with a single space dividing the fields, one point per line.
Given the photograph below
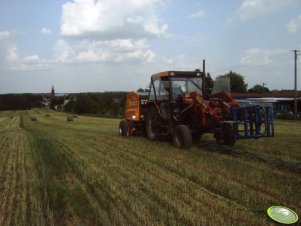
x=177 y=106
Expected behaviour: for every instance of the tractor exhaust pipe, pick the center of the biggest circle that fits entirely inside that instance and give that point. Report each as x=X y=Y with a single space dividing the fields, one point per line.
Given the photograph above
x=204 y=85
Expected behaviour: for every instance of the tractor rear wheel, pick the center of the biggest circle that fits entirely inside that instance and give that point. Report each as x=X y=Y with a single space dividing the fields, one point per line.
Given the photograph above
x=124 y=128
x=228 y=135
x=151 y=123
x=182 y=137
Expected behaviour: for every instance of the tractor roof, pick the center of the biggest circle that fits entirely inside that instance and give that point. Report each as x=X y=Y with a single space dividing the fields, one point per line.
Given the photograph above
x=195 y=73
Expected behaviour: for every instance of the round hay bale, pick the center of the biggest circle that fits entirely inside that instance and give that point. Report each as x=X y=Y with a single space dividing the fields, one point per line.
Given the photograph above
x=33 y=118
x=69 y=118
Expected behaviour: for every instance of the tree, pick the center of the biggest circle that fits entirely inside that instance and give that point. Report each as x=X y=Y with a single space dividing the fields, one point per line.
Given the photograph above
x=237 y=82
x=20 y=101
x=259 y=89
x=85 y=104
x=108 y=103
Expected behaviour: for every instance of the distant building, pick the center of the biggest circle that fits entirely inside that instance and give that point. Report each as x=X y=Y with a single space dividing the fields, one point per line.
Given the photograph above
x=56 y=101
x=52 y=94
x=281 y=101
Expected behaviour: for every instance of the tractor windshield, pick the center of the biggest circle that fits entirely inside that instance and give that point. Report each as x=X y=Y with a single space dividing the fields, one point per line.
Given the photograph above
x=182 y=85
x=160 y=90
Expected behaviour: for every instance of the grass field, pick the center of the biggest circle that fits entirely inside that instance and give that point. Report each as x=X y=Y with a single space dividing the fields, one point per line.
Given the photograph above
x=54 y=172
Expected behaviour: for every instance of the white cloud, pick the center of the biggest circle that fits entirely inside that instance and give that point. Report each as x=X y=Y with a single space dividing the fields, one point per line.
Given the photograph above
x=118 y=50
x=15 y=61
x=251 y=9
x=92 y=56
x=31 y=59
x=199 y=14
x=177 y=62
x=46 y=31
x=29 y=67
x=4 y=34
x=12 y=54
x=125 y=51
x=294 y=25
x=111 y=18
x=63 y=52
x=257 y=56
x=169 y=61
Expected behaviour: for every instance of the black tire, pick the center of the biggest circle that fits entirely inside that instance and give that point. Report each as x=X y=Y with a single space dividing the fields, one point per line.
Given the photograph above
x=197 y=138
x=228 y=135
x=124 y=128
x=182 y=137
x=152 y=121
x=218 y=135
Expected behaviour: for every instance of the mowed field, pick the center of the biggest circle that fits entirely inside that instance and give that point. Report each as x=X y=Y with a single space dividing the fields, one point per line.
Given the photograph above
x=54 y=172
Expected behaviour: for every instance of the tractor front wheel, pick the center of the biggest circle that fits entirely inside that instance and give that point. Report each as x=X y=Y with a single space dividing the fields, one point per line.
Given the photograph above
x=124 y=128
x=182 y=137
x=228 y=135
x=151 y=123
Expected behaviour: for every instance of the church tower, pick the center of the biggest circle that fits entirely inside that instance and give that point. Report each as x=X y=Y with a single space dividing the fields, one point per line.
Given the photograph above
x=52 y=92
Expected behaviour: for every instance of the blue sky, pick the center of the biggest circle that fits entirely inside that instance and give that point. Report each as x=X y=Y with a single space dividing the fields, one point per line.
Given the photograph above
x=115 y=45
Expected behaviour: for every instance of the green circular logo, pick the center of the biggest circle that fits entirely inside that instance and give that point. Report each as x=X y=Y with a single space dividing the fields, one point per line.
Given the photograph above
x=282 y=214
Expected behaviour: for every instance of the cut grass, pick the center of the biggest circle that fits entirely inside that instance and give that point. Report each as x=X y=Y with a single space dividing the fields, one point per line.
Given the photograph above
x=84 y=173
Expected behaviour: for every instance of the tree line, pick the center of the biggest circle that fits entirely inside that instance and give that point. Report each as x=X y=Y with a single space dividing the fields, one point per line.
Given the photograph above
x=20 y=101
x=103 y=104
x=109 y=103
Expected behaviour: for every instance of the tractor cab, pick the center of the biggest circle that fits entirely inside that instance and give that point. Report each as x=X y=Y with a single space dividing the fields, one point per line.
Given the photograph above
x=170 y=92
x=169 y=85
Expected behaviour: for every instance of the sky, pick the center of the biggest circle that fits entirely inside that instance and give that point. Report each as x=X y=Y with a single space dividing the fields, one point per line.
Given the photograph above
x=116 y=45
